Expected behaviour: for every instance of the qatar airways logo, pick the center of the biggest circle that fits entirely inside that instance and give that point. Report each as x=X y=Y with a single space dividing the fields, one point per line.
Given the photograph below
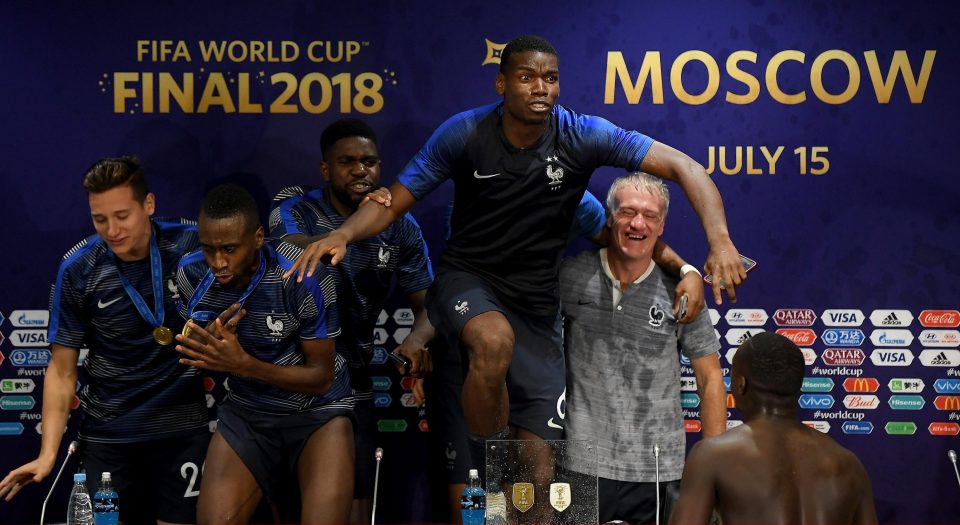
x=843 y=356
x=794 y=317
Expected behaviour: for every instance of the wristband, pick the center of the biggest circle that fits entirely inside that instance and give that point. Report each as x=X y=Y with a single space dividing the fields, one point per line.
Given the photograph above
x=687 y=268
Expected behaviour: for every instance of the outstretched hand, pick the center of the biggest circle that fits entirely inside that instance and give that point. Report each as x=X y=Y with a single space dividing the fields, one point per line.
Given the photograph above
x=728 y=273
x=33 y=472
x=333 y=246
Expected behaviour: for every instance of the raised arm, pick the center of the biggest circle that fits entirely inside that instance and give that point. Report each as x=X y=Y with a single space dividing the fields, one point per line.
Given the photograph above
x=366 y=222
x=723 y=261
x=697 y=488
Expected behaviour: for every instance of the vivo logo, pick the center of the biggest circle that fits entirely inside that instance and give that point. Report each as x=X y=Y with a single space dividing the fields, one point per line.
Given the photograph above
x=812 y=401
x=947 y=386
x=381 y=400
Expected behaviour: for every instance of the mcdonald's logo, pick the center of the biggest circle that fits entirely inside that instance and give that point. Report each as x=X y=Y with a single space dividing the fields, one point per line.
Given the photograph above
x=730 y=401
x=944 y=429
x=861 y=384
x=692 y=425
x=947 y=402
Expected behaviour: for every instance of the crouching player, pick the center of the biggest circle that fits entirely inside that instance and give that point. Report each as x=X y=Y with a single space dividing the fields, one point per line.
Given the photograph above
x=288 y=411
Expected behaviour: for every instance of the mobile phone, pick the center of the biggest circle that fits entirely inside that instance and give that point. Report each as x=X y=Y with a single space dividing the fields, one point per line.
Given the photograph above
x=401 y=360
x=683 y=307
x=748 y=264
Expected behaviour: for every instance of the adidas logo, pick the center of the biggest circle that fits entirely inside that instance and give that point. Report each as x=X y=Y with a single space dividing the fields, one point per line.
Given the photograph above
x=743 y=338
x=891 y=320
x=940 y=359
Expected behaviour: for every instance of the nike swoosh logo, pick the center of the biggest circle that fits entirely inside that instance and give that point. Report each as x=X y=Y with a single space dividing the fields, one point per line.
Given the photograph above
x=551 y=424
x=102 y=304
x=477 y=175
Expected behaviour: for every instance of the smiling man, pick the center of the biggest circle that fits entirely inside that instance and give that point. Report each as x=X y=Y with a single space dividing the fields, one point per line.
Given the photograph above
x=623 y=371
x=519 y=168
x=115 y=294
x=287 y=413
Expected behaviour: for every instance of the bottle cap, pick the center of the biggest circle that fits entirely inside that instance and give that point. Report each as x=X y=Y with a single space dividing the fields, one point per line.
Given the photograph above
x=80 y=476
x=474 y=473
x=105 y=476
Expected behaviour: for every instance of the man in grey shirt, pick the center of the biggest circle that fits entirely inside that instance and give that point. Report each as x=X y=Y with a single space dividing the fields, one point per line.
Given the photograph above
x=623 y=371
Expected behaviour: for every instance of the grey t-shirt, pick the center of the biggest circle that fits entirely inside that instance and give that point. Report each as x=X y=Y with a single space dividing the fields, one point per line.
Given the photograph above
x=623 y=369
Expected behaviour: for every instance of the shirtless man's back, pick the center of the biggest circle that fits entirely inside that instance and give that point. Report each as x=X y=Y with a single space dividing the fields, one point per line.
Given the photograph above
x=772 y=469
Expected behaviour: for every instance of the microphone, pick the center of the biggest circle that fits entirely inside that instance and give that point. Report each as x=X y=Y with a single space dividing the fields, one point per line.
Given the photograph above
x=71 y=448
x=953 y=459
x=378 y=455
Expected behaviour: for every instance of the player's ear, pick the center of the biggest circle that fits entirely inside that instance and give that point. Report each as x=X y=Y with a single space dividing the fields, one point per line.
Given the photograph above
x=325 y=171
x=150 y=203
x=259 y=235
x=501 y=83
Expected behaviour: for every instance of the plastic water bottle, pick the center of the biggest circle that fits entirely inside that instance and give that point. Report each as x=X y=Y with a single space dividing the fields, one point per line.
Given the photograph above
x=473 y=501
x=106 y=503
x=79 y=511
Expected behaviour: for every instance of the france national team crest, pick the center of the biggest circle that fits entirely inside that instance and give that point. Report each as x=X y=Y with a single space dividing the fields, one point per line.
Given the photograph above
x=656 y=316
x=275 y=326
x=384 y=257
x=555 y=173
x=523 y=496
x=462 y=307
x=560 y=496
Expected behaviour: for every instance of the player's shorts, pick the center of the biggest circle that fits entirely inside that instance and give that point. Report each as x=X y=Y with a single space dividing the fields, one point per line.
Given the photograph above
x=156 y=480
x=535 y=380
x=270 y=444
x=635 y=502
x=366 y=444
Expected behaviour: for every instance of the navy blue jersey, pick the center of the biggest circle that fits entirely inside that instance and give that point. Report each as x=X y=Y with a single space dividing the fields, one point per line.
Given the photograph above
x=136 y=390
x=514 y=207
x=280 y=313
x=588 y=221
x=365 y=275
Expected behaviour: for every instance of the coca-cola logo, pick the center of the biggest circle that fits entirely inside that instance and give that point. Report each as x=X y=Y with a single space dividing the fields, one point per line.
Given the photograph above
x=940 y=318
x=799 y=336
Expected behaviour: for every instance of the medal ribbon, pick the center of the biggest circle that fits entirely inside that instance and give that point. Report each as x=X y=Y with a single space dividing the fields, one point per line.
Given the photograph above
x=205 y=316
x=156 y=274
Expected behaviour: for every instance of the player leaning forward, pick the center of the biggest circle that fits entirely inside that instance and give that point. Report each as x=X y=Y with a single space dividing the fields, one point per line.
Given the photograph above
x=288 y=413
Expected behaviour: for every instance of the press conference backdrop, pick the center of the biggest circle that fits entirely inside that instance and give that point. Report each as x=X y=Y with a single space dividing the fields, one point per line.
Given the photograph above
x=829 y=128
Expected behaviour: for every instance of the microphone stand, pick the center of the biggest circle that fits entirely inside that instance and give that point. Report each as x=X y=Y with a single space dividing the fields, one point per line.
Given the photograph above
x=70 y=450
x=376 y=482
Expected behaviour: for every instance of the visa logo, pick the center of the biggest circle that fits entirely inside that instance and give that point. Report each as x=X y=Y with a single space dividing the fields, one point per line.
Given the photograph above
x=811 y=401
x=897 y=357
x=28 y=338
x=844 y=318
x=947 y=386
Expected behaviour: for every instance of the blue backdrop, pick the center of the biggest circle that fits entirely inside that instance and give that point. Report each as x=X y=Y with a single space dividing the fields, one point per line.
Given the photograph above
x=827 y=126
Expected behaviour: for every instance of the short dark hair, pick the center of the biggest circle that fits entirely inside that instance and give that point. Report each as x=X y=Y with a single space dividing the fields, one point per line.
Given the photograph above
x=112 y=172
x=229 y=200
x=773 y=364
x=342 y=129
x=523 y=44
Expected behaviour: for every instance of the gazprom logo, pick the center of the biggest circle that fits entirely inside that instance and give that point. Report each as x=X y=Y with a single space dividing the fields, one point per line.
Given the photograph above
x=815 y=401
x=947 y=386
x=29 y=318
x=817 y=384
x=857 y=427
x=843 y=337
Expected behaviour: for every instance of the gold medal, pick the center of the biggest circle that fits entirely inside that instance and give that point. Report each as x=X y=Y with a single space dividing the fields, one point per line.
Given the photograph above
x=163 y=335
x=186 y=329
